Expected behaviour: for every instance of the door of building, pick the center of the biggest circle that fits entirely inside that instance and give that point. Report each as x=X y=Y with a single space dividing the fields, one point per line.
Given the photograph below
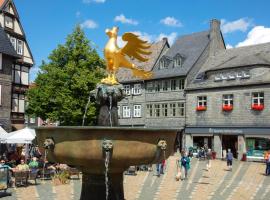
x=230 y=142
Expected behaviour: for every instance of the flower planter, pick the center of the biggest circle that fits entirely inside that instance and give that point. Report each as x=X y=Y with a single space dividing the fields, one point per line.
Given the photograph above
x=201 y=108
x=227 y=108
x=258 y=107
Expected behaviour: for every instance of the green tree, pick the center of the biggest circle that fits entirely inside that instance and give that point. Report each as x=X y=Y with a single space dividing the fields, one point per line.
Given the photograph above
x=62 y=86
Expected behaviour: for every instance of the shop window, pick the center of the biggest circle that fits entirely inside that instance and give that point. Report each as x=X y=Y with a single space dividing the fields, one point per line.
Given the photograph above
x=227 y=102
x=137 y=111
x=257 y=146
x=201 y=103
x=257 y=101
x=127 y=89
x=126 y=112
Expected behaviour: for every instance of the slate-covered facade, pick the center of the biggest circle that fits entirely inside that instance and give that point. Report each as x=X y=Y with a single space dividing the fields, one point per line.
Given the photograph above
x=228 y=102
x=19 y=66
x=10 y=21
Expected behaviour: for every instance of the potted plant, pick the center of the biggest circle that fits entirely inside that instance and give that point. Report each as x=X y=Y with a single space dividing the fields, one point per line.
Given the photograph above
x=227 y=108
x=61 y=178
x=201 y=108
x=258 y=107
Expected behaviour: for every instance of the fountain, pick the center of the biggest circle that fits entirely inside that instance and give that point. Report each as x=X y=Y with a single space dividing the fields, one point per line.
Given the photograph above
x=104 y=152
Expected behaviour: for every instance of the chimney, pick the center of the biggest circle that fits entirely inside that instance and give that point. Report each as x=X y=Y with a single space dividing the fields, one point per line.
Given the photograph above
x=216 y=40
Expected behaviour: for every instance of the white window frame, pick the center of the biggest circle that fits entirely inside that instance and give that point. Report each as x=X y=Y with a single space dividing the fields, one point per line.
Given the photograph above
x=259 y=97
x=150 y=86
x=173 y=109
x=165 y=85
x=13 y=41
x=1 y=61
x=20 y=47
x=227 y=100
x=202 y=101
x=0 y=95
x=149 y=110
x=127 y=89
x=178 y=61
x=137 y=111
x=137 y=89
x=156 y=110
x=10 y=21
x=180 y=109
x=173 y=86
x=162 y=64
x=119 y=111
x=181 y=84
x=164 y=110
x=126 y=112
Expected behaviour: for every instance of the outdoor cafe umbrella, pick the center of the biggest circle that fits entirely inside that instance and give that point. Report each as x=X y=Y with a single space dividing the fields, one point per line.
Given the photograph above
x=23 y=136
x=3 y=134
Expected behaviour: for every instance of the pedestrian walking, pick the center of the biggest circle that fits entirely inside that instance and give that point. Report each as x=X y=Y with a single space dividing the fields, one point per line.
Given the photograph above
x=229 y=159
x=185 y=164
x=267 y=162
x=208 y=159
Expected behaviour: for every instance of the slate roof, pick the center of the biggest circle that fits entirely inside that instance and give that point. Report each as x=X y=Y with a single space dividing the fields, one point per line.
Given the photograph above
x=125 y=75
x=190 y=47
x=6 y=46
x=237 y=57
x=247 y=56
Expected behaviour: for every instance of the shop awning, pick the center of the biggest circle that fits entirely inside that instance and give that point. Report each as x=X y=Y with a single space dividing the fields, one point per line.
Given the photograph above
x=219 y=130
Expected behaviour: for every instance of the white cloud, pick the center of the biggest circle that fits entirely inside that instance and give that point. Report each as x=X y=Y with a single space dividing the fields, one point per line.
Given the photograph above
x=238 y=25
x=121 y=18
x=94 y=1
x=150 y=38
x=171 y=21
x=259 y=34
x=91 y=24
x=171 y=37
x=228 y=46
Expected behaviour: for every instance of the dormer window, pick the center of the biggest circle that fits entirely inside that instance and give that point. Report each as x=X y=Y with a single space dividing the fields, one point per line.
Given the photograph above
x=178 y=61
x=162 y=64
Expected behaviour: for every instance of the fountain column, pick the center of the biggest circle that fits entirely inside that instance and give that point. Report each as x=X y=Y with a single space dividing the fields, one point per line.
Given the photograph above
x=95 y=186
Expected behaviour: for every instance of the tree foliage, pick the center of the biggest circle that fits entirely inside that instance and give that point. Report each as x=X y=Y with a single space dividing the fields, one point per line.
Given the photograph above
x=62 y=86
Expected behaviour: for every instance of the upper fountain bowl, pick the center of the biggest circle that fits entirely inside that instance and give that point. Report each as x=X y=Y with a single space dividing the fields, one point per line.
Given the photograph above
x=85 y=147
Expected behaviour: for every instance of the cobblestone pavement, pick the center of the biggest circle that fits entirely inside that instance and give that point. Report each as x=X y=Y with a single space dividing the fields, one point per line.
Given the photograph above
x=245 y=181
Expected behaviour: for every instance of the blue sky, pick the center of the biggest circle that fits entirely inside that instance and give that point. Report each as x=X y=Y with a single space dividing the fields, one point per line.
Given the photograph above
x=47 y=23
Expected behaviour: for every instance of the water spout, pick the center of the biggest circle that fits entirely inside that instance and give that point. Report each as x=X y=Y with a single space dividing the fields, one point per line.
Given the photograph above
x=107 y=146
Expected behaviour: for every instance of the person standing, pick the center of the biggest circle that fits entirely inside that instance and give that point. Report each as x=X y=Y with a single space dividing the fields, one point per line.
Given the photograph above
x=208 y=159
x=267 y=162
x=185 y=164
x=229 y=159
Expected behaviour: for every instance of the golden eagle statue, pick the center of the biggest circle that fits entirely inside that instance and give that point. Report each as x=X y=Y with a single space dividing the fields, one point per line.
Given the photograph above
x=116 y=57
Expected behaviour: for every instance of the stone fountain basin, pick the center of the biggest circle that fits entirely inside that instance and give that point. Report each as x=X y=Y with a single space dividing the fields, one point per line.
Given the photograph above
x=82 y=146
